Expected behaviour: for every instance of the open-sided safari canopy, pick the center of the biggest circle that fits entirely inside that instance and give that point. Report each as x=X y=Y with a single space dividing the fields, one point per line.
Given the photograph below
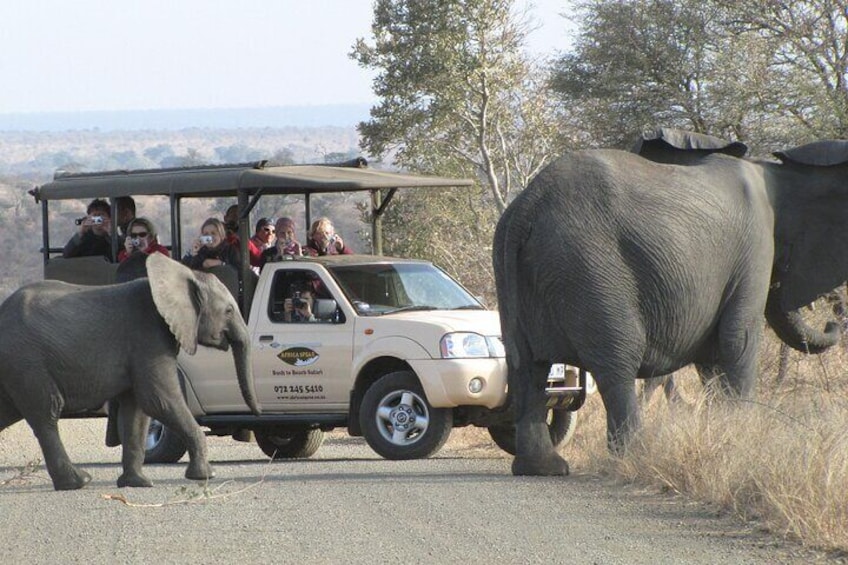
x=246 y=181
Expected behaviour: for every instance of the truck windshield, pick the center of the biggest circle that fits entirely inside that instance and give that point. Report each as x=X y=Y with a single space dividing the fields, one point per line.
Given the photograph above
x=380 y=289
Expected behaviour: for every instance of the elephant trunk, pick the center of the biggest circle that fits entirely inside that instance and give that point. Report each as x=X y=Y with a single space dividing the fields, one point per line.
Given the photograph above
x=240 y=342
x=791 y=328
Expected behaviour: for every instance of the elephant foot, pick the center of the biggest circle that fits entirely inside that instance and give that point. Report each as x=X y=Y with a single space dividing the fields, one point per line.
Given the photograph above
x=134 y=480
x=549 y=466
x=72 y=480
x=200 y=472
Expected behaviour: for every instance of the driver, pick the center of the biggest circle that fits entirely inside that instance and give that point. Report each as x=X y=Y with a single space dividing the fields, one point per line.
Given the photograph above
x=298 y=308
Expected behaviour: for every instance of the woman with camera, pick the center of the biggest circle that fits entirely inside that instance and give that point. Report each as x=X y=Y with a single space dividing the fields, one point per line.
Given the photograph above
x=141 y=238
x=211 y=248
x=323 y=240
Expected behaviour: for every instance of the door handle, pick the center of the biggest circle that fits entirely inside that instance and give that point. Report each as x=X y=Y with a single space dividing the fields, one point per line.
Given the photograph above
x=266 y=338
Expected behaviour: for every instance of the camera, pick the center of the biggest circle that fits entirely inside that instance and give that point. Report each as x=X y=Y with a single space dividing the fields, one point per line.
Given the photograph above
x=97 y=220
x=297 y=301
x=135 y=241
x=206 y=239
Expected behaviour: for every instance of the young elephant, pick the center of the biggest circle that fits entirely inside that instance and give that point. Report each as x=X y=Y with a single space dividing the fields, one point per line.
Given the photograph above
x=69 y=348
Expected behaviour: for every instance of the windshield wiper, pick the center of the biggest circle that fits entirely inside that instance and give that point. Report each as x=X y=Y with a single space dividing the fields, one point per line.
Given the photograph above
x=470 y=307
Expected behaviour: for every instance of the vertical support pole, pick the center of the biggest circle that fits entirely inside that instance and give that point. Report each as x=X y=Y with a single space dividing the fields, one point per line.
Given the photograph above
x=244 y=235
x=45 y=232
x=376 y=222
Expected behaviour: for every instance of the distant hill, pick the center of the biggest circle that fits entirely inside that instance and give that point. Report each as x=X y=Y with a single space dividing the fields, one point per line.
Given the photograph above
x=342 y=115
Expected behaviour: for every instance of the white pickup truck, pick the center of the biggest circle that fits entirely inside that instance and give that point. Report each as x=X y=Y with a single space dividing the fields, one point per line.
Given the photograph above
x=394 y=350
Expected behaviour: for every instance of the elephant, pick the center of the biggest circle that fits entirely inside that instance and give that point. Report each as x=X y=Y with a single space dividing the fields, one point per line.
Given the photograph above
x=630 y=268
x=679 y=147
x=69 y=348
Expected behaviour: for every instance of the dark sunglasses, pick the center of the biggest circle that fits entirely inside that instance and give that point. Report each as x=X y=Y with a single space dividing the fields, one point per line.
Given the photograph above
x=269 y=230
x=139 y=234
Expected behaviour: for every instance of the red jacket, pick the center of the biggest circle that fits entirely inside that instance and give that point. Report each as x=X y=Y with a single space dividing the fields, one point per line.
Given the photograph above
x=152 y=248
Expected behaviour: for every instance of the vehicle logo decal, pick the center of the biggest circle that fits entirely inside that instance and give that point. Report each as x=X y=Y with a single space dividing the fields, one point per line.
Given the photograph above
x=298 y=356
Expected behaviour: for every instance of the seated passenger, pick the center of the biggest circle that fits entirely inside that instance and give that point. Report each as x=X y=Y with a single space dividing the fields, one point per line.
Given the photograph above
x=323 y=240
x=262 y=241
x=231 y=225
x=141 y=238
x=287 y=243
x=210 y=249
x=125 y=206
x=298 y=308
x=95 y=233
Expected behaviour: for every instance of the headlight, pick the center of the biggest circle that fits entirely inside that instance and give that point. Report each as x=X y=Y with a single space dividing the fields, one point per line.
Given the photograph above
x=469 y=345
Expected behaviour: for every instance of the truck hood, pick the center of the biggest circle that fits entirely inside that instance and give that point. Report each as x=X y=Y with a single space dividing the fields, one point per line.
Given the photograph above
x=428 y=327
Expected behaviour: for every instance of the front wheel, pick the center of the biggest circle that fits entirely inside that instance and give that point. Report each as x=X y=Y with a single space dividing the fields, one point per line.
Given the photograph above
x=561 y=426
x=398 y=422
x=162 y=445
x=283 y=443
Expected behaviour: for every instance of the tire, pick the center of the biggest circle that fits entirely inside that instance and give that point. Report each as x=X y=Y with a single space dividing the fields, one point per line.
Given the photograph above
x=398 y=421
x=288 y=443
x=162 y=445
x=561 y=425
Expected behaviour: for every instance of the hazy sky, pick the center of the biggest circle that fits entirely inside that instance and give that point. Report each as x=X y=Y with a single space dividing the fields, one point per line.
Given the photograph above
x=69 y=55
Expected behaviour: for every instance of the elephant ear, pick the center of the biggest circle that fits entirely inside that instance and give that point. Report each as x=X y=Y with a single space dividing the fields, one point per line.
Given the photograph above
x=665 y=145
x=825 y=153
x=177 y=296
x=809 y=260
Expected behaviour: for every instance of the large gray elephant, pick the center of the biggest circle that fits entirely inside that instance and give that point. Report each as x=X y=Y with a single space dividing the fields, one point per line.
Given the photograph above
x=69 y=348
x=631 y=269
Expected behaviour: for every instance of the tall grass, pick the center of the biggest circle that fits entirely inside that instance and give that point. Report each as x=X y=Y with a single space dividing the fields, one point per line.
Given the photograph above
x=780 y=458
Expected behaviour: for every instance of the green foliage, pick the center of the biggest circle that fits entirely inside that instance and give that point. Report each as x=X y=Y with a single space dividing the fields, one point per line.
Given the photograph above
x=768 y=72
x=459 y=97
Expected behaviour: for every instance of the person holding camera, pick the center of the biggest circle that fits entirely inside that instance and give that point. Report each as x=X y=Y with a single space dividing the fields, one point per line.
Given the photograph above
x=262 y=243
x=94 y=236
x=323 y=240
x=211 y=248
x=141 y=238
x=298 y=308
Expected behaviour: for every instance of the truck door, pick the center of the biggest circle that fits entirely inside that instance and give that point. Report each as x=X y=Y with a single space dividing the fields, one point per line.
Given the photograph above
x=303 y=345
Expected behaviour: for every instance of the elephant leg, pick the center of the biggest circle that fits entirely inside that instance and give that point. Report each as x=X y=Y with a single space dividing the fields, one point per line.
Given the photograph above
x=9 y=413
x=64 y=474
x=41 y=405
x=535 y=453
x=173 y=412
x=739 y=342
x=649 y=387
x=132 y=430
x=622 y=408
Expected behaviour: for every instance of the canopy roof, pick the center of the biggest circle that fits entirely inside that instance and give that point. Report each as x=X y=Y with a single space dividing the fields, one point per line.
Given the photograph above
x=228 y=180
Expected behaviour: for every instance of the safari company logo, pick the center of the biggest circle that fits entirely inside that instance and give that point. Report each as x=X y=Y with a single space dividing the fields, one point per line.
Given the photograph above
x=298 y=356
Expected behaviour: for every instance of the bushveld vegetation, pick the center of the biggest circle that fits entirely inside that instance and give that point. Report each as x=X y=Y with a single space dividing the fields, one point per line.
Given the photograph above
x=459 y=96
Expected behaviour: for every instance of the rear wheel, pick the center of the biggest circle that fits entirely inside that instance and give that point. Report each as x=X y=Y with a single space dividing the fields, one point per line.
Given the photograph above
x=288 y=443
x=162 y=445
x=398 y=421
x=561 y=425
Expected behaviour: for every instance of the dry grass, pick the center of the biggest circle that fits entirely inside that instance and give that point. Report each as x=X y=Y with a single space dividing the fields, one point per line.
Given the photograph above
x=780 y=459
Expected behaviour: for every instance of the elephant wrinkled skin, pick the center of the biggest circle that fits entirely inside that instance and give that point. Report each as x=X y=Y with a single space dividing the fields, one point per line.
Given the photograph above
x=630 y=268
x=69 y=348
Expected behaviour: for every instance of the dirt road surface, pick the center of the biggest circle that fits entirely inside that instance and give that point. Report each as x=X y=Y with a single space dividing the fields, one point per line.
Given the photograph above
x=346 y=505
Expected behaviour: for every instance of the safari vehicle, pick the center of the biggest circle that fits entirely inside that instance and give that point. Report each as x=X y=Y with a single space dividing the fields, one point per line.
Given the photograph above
x=398 y=351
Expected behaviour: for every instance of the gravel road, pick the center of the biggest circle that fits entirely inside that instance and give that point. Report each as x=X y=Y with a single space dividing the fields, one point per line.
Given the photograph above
x=345 y=505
